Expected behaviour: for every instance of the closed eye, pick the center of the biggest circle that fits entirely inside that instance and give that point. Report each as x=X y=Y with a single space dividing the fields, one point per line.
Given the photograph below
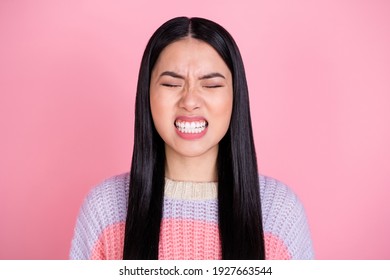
x=170 y=85
x=213 y=86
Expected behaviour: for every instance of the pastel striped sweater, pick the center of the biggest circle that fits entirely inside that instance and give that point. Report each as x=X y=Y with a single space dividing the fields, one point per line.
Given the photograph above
x=189 y=228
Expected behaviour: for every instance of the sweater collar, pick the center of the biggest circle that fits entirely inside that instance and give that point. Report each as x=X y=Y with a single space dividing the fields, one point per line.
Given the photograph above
x=187 y=190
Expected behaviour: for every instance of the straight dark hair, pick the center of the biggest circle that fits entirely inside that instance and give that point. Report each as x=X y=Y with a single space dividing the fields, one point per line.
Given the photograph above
x=239 y=206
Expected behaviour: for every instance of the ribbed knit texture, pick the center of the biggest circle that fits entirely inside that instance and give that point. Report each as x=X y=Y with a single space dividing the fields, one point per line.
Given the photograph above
x=189 y=228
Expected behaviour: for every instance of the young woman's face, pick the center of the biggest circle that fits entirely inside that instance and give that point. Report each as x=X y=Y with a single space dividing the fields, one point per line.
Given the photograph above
x=191 y=98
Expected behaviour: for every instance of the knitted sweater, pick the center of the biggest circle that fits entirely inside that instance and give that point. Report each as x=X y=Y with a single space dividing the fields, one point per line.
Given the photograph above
x=189 y=228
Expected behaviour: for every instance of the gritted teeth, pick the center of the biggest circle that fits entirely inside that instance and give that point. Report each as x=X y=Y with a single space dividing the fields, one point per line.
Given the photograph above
x=191 y=126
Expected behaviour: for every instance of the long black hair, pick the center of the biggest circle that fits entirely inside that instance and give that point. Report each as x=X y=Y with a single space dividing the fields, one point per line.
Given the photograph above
x=239 y=206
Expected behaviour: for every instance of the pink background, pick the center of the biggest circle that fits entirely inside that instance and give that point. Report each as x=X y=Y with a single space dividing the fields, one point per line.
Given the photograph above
x=318 y=73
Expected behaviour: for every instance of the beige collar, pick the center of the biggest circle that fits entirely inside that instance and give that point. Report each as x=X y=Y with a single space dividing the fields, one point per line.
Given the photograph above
x=190 y=190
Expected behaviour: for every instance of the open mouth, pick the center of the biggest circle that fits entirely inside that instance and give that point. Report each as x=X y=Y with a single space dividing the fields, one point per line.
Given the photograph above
x=191 y=127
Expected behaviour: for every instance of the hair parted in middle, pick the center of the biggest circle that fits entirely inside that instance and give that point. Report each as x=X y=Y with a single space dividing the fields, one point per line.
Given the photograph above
x=239 y=205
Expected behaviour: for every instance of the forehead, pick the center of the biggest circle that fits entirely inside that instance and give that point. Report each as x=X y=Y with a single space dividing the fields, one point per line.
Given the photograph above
x=190 y=53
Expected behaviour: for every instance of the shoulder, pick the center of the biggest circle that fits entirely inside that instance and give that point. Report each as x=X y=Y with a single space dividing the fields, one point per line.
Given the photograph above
x=104 y=206
x=284 y=219
x=108 y=200
x=275 y=195
x=112 y=189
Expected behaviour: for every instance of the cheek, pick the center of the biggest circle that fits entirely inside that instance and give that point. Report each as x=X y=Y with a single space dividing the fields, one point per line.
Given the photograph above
x=156 y=110
x=155 y=107
x=160 y=114
x=224 y=108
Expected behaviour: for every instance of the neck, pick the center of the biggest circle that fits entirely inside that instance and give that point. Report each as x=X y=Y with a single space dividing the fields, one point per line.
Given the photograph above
x=196 y=169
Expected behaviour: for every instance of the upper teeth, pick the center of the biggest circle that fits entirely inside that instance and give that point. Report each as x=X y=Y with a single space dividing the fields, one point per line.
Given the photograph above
x=191 y=127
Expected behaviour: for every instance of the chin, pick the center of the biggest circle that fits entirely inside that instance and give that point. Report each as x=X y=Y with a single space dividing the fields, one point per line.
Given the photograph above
x=195 y=151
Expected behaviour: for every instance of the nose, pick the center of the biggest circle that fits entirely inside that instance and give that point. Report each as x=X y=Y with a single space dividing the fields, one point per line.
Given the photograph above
x=190 y=99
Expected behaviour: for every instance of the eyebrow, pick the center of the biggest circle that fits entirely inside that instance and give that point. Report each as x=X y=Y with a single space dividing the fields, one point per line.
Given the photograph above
x=212 y=75
x=172 y=74
x=204 y=77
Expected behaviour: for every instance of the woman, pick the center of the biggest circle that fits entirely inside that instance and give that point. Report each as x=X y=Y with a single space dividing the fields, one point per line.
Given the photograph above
x=195 y=192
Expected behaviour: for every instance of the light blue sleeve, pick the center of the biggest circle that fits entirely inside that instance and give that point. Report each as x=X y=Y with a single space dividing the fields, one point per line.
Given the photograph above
x=284 y=217
x=106 y=204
